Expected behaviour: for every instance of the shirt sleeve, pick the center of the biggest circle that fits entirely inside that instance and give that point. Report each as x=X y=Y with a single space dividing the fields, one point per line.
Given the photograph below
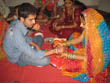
x=24 y=47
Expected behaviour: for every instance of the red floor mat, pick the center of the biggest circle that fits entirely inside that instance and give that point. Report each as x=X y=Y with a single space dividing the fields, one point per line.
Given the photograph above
x=32 y=74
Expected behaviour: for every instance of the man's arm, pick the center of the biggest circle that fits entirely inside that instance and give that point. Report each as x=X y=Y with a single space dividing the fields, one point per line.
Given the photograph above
x=35 y=45
x=24 y=47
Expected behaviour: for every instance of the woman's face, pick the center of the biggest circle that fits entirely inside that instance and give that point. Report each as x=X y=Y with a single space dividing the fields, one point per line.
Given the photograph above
x=68 y=4
x=83 y=25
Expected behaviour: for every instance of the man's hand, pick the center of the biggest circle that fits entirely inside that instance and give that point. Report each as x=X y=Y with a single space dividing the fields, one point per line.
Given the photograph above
x=36 y=26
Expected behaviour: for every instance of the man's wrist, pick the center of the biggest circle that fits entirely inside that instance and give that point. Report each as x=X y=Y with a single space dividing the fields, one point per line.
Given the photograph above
x=56 y=51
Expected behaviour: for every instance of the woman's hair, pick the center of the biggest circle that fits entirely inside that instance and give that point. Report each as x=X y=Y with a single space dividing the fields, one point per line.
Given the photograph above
x=13 y=11
x=82 y=5
x=16 y=7
x=69 y=0
x=26 y=9
x=82 y=16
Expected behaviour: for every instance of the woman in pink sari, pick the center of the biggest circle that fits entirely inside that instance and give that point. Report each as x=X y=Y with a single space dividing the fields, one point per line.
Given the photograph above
x=68 y=22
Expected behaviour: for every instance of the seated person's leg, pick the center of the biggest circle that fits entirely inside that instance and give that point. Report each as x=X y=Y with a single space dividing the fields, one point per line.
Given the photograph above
x=38 y=40
x=27 y=60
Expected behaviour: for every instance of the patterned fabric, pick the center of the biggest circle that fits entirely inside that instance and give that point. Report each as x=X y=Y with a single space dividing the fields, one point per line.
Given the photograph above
x=97 y=42
x=3 y=28
x=50 y=4
x=2 y=53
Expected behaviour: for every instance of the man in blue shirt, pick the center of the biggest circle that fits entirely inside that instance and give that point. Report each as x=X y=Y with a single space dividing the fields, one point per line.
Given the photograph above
x=17 y=44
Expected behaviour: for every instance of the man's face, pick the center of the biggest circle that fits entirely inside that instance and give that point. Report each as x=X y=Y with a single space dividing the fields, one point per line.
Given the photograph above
x=30 y=20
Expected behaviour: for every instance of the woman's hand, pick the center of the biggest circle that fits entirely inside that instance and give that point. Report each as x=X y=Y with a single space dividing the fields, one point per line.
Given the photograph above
x=58 y=43
x=40 y=16
x=61 y=55
x=60 y=49
x=57 y=28
x=54 y=25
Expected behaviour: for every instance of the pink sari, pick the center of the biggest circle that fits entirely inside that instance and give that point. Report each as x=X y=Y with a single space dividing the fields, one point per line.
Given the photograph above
x=65 y=33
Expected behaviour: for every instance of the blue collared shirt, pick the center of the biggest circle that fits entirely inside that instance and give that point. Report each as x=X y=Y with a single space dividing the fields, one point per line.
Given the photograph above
x=16 y=43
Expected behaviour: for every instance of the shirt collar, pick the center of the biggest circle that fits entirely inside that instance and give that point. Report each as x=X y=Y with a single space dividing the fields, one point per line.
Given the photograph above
x=22 y=27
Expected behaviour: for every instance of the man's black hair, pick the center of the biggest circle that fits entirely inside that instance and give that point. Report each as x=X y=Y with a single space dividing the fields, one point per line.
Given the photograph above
x=26 y=9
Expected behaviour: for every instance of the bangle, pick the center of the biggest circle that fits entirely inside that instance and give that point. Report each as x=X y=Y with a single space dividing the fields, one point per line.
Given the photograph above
x=70 y=56
x=73 y=56
x=62 y=27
